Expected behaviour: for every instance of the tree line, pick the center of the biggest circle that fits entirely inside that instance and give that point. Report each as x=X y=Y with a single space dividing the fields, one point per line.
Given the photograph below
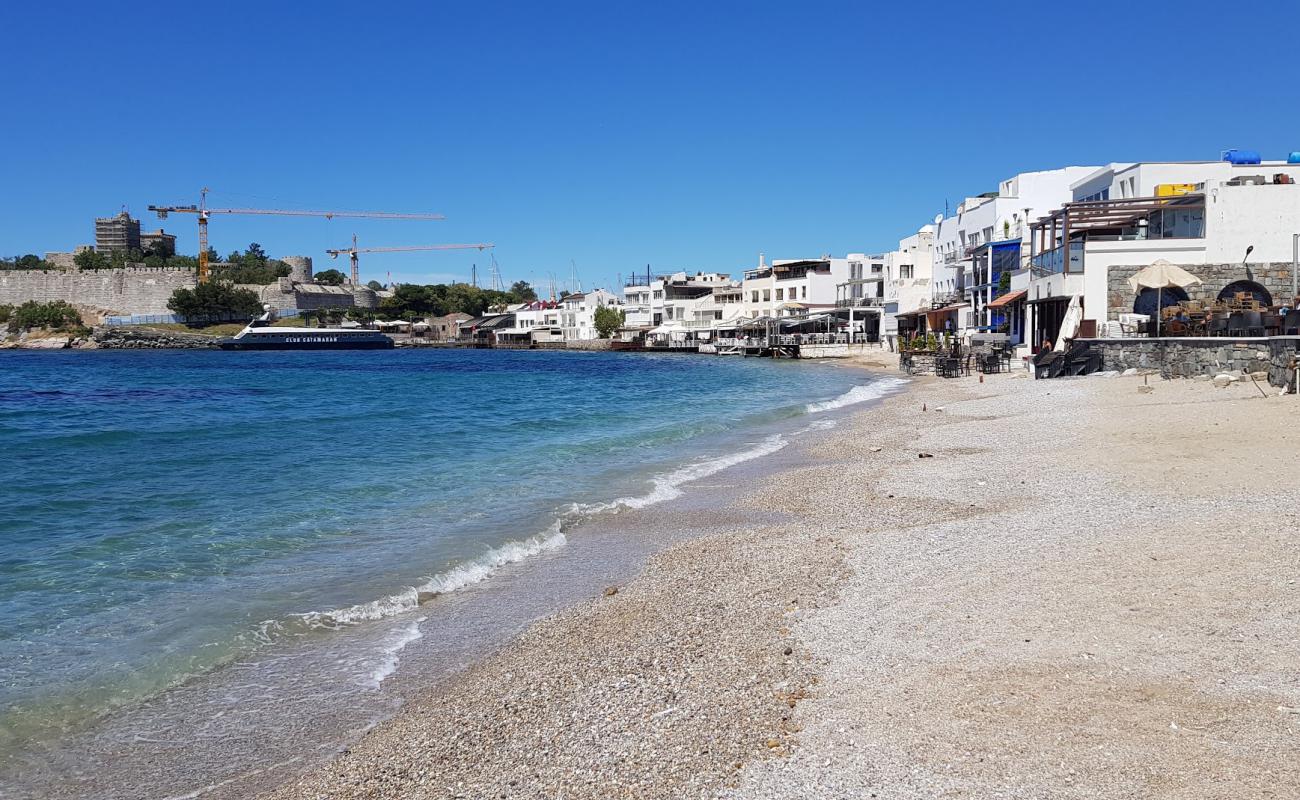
x=439 y=299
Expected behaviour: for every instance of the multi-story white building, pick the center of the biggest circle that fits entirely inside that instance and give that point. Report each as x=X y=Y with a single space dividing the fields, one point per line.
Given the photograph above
x=540 y=320
x=978 y=249
x=1232 y=225
x=699 y=300
x=643 y=301
x=794 y=287
x=578 y=313
x=908 y=283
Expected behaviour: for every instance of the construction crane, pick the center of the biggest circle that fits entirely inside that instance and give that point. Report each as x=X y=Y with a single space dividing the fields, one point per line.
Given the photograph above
x=356 y=267
x=204 y=212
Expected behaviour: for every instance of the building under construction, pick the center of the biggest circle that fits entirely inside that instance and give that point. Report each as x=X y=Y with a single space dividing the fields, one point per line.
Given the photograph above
x=119 y=233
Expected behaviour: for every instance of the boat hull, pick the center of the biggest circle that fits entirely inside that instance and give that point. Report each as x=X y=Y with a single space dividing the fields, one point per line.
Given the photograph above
x=307 y=343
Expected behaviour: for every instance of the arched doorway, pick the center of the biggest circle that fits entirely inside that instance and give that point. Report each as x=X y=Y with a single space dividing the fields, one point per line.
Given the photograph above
x=1145 y=303
x=1259 y=292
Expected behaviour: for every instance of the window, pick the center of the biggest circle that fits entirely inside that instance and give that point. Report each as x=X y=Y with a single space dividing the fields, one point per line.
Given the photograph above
x=905 y=271
x=780 y=295
x=805 y=292
x=754 y=299
x=767 y=295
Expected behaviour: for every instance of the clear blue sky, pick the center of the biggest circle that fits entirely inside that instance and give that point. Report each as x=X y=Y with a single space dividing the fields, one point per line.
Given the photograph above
x=680 y=134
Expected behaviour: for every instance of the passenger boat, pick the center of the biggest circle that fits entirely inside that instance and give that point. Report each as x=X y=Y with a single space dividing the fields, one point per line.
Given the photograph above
x=260 y=334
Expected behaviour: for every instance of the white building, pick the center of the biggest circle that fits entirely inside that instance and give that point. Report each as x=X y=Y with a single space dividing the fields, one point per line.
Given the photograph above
x=578 y=313
x=794 y=287
x=540 y=320
x=1229 y=224
x=987 y=239
x=908 y=282
x=699 y=301
x=643 y=300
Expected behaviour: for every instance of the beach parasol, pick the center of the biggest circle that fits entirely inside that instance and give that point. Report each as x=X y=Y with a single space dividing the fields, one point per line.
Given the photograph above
x=1161 y=275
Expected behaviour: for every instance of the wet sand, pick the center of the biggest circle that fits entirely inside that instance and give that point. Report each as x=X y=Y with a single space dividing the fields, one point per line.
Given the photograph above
x=1083 y=591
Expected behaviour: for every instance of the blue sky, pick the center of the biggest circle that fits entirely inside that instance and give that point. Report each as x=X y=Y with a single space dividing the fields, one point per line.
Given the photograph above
x=606 y=135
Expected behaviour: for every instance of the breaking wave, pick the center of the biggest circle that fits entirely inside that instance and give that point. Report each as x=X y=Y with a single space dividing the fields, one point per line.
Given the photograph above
x=668 y=485
x=858 y=394
x=664 y=487
x=458 y=577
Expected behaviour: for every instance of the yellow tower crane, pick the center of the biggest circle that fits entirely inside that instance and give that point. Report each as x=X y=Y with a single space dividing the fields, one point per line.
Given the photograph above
x=204 y=212
x=356 y=267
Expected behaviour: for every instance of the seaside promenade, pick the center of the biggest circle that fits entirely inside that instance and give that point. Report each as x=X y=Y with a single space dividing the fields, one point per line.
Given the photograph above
x=1081 y=591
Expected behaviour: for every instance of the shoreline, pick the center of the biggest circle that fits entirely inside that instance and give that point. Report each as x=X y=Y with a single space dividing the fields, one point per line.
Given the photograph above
x=791 y=659
x=602 y=553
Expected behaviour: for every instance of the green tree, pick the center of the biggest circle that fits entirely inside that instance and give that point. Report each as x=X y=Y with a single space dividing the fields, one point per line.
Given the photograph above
x=331 y=277
x=607 y=320
x=122 y=258
x=255 y=273
x=523 y=292
x=376 y=285
x=413 y=298
x=91 y=259
x=157 y=249
x=358 y=314
x=29 y=261
x=214 y=301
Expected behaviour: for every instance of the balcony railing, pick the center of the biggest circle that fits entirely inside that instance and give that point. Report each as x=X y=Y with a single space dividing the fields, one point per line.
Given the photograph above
x=862 y=302
x=1059 y=259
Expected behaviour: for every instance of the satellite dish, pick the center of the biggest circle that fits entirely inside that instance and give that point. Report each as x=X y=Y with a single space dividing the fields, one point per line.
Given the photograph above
x=938 y=218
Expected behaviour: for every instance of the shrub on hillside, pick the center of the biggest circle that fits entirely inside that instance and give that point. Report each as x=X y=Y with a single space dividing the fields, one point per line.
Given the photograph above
x=55 y=316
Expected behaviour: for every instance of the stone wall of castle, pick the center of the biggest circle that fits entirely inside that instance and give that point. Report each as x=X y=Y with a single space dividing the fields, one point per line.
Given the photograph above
x=134 y=290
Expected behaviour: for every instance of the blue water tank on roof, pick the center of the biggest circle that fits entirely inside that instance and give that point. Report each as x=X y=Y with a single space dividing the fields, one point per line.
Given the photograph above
x=1241 y=156
x=1294 y=157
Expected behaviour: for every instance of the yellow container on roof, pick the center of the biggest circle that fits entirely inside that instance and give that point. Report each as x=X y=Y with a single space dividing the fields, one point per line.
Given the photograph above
x=1174 y=189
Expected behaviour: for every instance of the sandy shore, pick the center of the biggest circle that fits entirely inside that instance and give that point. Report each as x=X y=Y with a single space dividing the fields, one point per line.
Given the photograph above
x=1086 y=591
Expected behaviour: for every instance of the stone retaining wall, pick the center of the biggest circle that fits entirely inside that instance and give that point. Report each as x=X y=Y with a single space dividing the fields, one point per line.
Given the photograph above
x=145 y=338
x=1276 y=278
x=587 y=344
x=1189 y=357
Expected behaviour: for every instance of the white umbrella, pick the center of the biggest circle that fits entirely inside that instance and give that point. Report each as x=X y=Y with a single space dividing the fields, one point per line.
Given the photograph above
x=1160 y=276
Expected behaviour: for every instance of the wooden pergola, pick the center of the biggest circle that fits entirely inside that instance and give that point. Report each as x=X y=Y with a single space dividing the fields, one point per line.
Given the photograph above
x=1092 y=216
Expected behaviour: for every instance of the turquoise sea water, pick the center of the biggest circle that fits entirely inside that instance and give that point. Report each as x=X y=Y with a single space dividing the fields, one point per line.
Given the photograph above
x=170 y=513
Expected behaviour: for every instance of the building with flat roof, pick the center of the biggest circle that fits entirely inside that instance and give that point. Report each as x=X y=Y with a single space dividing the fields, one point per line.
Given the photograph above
x=158 y=242
x=118 y=233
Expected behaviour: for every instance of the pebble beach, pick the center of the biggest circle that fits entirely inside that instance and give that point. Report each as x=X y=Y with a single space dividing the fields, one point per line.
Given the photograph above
x=1008 y=588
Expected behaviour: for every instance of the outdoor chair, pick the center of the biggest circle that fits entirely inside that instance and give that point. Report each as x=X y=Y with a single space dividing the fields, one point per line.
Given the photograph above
x=1249 y=323
x=1217 y=326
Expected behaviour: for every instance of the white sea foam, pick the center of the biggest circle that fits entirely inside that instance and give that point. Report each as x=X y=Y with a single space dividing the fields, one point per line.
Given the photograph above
x=858 y=394
x=472 y=572
x=821 y=425
x=390 y=650
x=668 y=485
x=458 y=577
